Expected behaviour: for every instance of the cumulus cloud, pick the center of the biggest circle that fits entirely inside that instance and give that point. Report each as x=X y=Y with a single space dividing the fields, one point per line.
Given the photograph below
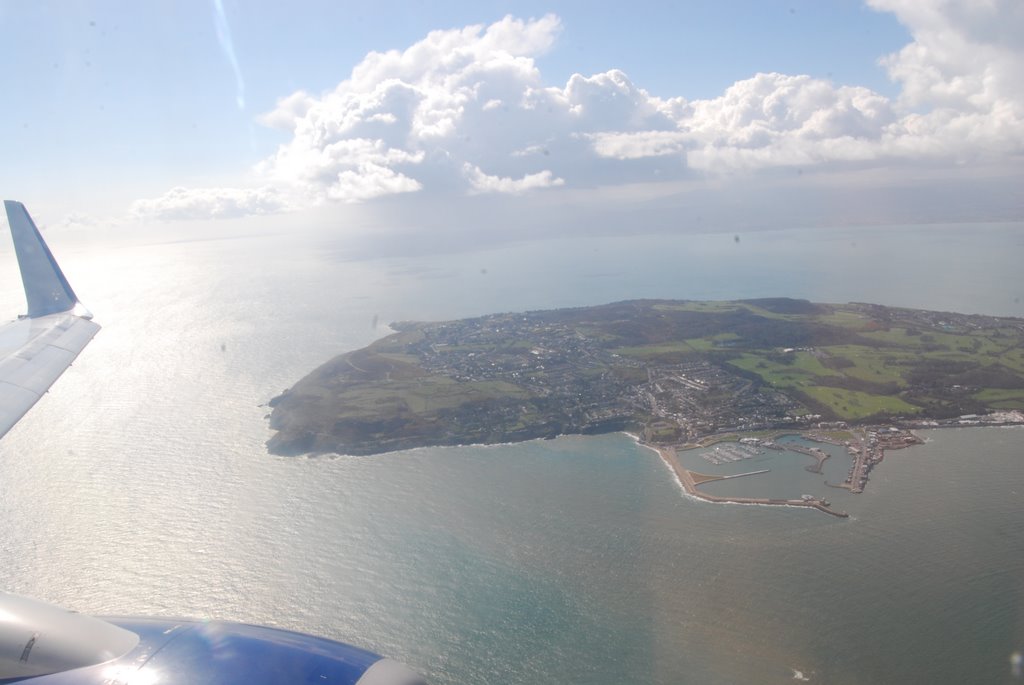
x=964 y=55
x=774 y=120
x=79 y=220
x=446 y=100
x=210 y=203
x=483 y=183
x=960 y=78
x=289 y=110
x=960 y=101
x=434 y=116
x=368 y=181
x=638 y=145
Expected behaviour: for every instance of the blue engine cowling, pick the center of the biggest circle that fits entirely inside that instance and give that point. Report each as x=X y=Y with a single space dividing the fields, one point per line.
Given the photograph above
x=44 y=645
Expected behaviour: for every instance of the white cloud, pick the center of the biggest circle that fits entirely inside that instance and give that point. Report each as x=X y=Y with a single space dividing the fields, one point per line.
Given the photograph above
x=327 y=170
x=961 y=101
x=960 y=78
x=443 y=98
x=611 y=101
x=483 y=183
x=79 y=220
x=368 y=181
x=289 y=110
x=777 y=120
x=450 y=105
x=206 y=203
x=433 y=116
x=964 y=55
x=638 y=145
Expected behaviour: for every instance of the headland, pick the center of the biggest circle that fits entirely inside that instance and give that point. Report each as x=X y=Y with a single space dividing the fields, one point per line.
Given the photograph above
x=675 y=373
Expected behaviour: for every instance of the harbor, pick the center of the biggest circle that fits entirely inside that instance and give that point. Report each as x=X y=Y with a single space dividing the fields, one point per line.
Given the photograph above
x=690 y=480
x=731 y=452
x=814 y=453
x=781 y=452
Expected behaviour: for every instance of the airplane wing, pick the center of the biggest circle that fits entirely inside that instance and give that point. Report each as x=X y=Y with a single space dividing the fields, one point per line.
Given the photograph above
x=45 y=644
x=35 y=349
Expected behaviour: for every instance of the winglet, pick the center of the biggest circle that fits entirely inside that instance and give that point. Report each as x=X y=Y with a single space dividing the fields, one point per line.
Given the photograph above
x=46 y=289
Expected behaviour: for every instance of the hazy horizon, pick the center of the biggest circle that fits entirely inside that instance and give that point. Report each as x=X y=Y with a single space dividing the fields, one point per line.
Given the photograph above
x=242 y=191
x=515 y=120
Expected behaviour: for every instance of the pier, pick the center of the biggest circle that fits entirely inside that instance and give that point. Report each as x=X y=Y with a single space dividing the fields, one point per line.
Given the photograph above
x=813 y=452
x=748 y=473
x=691 y=480
x=864 y=457
x=699 y=478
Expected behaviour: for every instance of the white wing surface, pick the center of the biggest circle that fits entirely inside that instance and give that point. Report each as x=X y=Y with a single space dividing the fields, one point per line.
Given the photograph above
x=35 y=349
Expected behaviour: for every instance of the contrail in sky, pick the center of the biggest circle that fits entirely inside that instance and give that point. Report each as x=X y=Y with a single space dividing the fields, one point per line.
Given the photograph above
x=228 y=48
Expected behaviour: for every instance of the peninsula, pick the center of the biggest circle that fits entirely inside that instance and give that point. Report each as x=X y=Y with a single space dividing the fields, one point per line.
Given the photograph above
x=672 y=372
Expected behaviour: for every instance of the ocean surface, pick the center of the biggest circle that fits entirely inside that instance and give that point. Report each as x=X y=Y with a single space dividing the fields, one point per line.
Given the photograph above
x=141 y=485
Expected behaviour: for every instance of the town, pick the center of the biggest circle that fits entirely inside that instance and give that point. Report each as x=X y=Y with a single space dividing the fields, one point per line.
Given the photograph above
x=671 y=372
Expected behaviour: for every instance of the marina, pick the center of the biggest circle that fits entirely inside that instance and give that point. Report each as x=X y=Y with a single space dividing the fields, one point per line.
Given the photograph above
x=728 y=453
x=690 y=480
x=783 y=455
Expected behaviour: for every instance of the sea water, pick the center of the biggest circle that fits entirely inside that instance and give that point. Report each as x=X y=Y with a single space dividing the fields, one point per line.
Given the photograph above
x=141 y=485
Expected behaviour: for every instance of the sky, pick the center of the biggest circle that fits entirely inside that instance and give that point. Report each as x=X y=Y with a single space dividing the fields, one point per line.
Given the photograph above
x=510 y=117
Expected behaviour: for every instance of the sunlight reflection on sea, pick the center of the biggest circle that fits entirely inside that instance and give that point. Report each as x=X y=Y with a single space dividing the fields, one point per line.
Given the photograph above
x=141 y=485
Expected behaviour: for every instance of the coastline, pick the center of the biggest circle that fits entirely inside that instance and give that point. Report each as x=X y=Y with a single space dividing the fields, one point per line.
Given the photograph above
x=689 y=482
x=686 y=480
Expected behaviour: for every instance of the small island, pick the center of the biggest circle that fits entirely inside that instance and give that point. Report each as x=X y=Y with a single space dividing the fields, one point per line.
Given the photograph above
x=674 y=373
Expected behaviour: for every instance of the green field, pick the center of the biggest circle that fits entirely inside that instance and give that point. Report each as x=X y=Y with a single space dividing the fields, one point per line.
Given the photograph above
x=800 y=368
x=654 y=351
x=663 y=367
x=1002 y=399
x=852 y=405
